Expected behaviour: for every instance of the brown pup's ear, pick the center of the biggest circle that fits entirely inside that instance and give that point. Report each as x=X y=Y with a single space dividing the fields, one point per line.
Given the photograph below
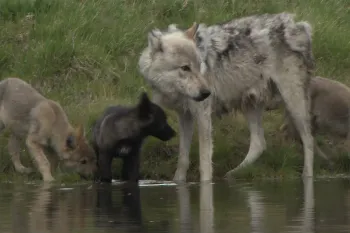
x=80 y=131
x=74 y=138
x=71 y=142
x=191 y=32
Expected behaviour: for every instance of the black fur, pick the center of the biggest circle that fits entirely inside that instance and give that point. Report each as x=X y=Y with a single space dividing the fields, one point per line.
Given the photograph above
x=120 y=132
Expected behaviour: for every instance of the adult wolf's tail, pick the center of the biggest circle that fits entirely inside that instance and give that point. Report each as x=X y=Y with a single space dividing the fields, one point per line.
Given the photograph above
x=299 y=37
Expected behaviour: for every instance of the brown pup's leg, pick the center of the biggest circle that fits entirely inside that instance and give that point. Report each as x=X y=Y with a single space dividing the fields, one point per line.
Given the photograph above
x=39 y=157
x=41 y=127
x=14 y=150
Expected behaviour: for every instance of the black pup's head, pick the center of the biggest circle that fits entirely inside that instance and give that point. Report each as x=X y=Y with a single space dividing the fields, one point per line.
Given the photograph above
x=154 y=119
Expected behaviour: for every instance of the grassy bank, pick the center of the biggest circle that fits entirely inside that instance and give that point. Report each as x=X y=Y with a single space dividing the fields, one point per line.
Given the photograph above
x=83 y=53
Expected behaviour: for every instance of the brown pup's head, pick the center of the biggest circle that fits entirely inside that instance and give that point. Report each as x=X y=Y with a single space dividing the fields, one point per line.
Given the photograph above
x=79 y=155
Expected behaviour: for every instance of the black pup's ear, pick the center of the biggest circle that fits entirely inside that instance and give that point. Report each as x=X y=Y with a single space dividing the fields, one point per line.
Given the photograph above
x=144 y=107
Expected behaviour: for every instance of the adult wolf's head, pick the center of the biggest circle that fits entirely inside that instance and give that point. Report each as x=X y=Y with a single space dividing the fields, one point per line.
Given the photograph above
x=171 y=64
x=78 y=154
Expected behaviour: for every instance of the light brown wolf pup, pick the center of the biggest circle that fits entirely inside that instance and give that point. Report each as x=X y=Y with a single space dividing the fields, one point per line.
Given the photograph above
x=43 y=124
x=330 y=111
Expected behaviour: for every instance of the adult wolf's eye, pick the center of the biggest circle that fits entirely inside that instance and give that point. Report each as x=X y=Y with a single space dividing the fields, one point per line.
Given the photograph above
x=186 y=68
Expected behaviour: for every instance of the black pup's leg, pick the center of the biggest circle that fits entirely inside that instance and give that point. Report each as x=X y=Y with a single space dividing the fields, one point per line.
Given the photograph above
x=125 y=170
x=131 y=199
x=131 y=168
x=95 y=148
x=105 y=167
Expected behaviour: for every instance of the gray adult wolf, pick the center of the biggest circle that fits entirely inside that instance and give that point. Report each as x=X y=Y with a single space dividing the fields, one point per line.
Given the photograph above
x=236 y=65
x=44 y=125
x=120 y=132
x=330 y=111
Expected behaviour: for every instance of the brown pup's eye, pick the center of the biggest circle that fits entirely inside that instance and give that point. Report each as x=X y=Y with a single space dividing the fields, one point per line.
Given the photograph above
x=186 y=68
x=83 y=161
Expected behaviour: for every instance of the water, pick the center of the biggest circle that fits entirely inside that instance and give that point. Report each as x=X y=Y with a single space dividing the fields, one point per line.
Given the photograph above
x=294 y=206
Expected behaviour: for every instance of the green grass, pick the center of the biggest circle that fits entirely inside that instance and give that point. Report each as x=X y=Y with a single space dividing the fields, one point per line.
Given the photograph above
x=84 y=54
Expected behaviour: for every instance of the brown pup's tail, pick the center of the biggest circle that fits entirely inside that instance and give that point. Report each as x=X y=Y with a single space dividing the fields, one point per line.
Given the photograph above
x=3 y=86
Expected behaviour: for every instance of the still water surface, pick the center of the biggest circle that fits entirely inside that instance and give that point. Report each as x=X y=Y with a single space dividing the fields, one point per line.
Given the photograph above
x=270 y=207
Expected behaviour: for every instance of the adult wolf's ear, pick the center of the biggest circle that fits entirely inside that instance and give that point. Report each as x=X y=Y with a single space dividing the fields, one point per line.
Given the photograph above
x=155 y=40
x=145 y=108
x=191 y=32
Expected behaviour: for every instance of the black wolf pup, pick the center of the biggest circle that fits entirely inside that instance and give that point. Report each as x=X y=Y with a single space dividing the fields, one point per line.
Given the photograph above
x=120 y=132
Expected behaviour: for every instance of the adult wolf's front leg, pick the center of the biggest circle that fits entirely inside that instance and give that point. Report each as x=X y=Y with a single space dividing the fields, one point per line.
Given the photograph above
x=205 y=143
x=186 y=133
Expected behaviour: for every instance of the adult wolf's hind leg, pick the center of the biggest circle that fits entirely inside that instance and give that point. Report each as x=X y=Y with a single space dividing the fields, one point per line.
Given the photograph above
x=296 y=98
x=257 y=139
x=14 y=151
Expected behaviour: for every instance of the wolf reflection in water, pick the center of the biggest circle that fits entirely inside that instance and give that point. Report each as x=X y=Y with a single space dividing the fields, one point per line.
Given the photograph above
x=273 y=207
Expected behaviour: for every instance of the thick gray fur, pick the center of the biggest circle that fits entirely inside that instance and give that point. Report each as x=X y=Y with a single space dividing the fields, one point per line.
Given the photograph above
x=236 y=65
